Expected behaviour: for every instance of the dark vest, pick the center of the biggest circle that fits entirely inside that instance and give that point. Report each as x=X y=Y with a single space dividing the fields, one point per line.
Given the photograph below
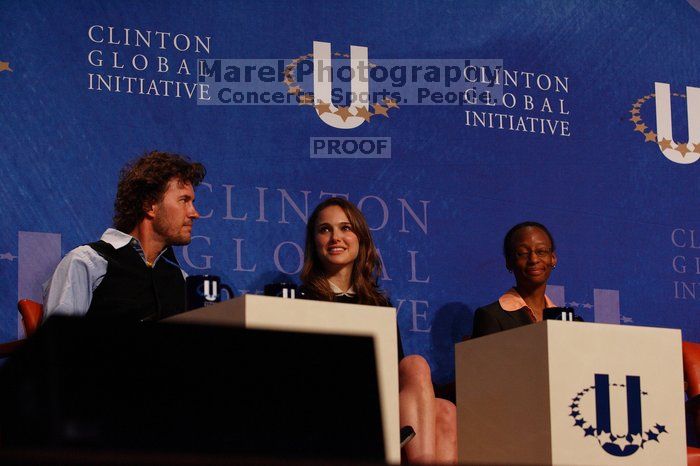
x=131 y=291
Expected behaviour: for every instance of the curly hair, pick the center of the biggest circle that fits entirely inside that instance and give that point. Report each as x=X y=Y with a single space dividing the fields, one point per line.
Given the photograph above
x=143 y=182
x=367 y=267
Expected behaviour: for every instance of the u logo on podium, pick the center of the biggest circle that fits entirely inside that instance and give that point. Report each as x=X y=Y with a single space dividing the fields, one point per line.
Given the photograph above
x=614 y=443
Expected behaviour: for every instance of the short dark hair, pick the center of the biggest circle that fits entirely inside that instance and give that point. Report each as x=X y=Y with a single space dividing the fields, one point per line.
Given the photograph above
x=144 y=181
x=508 y=240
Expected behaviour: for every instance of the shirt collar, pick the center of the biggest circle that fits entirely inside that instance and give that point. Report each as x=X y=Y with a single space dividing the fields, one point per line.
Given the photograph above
x=118 y=239
x=338 y=292
x=512 y=301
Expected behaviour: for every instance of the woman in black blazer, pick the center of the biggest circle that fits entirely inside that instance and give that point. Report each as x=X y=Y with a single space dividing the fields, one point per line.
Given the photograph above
x=530 y=256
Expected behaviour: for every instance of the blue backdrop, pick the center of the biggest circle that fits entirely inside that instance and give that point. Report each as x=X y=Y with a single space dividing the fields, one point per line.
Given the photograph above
x=617 y=192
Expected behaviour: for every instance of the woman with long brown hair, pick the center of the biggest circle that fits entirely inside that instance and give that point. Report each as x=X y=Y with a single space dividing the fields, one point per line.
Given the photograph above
x=342 y=264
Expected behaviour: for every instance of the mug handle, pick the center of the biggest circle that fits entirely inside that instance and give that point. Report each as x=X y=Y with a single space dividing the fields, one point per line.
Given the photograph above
x=228 y=289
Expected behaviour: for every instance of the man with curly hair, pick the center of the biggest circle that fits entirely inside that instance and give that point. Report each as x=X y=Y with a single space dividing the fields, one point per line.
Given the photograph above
x=131 y=273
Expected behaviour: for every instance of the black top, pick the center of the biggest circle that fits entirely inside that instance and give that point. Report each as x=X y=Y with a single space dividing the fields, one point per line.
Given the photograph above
x=132 y=291
x=493 y=318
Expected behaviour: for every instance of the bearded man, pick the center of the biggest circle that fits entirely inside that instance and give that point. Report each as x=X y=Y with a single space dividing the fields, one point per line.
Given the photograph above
x=132 y=273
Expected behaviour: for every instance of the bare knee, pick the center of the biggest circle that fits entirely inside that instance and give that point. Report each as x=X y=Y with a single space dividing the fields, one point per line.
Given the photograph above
x=445 y=418
x=414 y=371
x=445 y=432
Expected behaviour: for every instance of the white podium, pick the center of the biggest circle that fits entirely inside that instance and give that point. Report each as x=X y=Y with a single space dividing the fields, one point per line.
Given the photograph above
x=571 y=393
x=268 y=313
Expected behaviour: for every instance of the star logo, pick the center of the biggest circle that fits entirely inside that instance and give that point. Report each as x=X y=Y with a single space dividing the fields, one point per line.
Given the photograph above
x=5 y=66
x=613 y=443
x=323 y=107
x=675 y=151
x=665 y=144
x=343 y=113
x=306 y=99
x=379 y=110
x=390 y=103
x=683 y=149
x=362 y=112
x=7 y=256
